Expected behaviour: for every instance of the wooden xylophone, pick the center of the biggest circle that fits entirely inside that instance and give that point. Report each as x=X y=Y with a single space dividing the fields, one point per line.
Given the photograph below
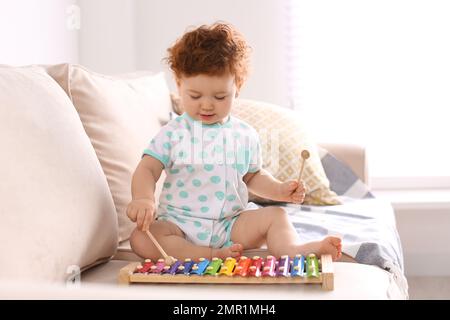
x=256 y=270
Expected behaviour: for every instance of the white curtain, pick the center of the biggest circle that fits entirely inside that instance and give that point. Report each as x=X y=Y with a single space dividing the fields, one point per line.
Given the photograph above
x=376 y=73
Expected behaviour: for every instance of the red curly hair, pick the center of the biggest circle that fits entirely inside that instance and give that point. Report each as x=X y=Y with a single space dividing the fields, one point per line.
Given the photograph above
x=213 y=50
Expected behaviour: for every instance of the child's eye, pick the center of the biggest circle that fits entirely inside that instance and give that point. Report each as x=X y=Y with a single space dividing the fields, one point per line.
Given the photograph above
x=195 y=97
x=220 y=98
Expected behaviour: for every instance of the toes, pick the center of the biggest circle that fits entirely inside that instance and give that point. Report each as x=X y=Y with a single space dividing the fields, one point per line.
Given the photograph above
x=236 y=247
x=335 y=241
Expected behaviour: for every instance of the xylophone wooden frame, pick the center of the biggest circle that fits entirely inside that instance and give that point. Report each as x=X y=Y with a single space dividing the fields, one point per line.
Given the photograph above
x=326 y=277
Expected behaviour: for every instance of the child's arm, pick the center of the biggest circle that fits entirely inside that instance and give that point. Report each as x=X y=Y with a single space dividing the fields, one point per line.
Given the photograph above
x=142 y=206
x=263 y=184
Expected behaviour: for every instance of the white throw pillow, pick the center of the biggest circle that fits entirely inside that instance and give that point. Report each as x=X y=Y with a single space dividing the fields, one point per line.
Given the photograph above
x=56 y=212
x=120 y=115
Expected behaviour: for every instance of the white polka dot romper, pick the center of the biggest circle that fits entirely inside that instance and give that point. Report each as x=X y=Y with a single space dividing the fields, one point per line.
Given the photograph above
x=204 y=191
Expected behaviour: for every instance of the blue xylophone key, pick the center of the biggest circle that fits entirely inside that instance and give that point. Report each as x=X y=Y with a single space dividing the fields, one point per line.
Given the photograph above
x=298 y=266
x=200 y=267
x=186 y=267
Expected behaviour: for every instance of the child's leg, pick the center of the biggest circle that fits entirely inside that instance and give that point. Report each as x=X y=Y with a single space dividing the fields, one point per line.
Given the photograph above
x=271 y=225
x=172 y=240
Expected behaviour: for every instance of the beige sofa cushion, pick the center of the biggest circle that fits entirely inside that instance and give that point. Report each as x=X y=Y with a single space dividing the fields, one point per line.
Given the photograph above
x=283 y=137
x=56 y=209
x=120 y=115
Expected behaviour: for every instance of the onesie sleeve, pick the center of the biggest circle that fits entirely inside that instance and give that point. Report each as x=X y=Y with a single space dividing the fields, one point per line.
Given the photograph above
x=160 y=147
x=256 y=154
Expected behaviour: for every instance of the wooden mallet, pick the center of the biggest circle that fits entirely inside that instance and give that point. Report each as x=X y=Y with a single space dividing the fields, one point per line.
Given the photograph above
x=305 y=155
x=168 y=259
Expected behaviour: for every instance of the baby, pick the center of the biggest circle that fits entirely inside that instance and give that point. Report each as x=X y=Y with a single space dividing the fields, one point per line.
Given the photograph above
x=212 y=160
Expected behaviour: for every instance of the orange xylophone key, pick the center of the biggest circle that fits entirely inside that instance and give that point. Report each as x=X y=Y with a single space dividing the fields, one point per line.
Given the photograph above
x=243 y=266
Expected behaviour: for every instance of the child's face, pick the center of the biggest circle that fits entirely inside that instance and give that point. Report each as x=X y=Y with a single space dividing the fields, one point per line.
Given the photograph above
x=207 y=98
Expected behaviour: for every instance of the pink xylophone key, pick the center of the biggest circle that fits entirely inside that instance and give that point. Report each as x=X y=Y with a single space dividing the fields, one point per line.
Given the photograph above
x=159 y=267
x=269 y=267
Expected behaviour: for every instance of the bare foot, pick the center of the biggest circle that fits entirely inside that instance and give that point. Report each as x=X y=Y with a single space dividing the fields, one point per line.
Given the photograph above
x=329 y=245
x=235 y=250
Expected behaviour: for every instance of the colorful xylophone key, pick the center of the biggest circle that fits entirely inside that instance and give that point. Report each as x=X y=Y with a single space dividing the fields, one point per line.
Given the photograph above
x=283 y=266
x=256 y=266
x=227 y=267
x=146 y=266
x=214 y=266
x=269 y=267
x=312 y=266
x=243 y=266
x=200 y=267
x=172 y=270
x=298 y=266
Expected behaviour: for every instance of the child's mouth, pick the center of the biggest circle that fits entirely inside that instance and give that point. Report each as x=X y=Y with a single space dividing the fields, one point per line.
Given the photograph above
x=206 y=116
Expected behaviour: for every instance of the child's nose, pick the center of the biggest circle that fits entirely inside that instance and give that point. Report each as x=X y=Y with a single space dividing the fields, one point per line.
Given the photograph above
x=207 y=105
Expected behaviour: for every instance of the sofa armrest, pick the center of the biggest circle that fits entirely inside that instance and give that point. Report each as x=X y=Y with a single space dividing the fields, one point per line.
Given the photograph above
x=353 y=155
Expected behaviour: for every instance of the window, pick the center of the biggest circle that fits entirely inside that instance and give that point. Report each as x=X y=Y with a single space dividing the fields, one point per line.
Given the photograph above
x=376 y=73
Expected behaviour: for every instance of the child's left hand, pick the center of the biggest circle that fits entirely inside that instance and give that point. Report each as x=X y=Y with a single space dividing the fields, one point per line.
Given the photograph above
x=292 y=191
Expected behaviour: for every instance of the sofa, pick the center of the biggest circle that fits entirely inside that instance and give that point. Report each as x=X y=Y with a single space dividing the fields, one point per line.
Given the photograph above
x=71 y=139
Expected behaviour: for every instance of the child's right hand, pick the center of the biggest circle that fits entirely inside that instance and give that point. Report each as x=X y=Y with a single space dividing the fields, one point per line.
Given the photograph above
x=141 y=211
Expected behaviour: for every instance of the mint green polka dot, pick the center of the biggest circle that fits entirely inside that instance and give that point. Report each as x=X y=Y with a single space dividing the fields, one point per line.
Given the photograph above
x=204 y=209
x=231 y=197
x=195 y=140
x=174 y=171
x=178 y=119
x=215 y=238
x=236 y=208
x=196 y=183
x=236 y=135
x=180 y=219
x=208 y=167
x=212 y=134
x=186 y=208
x=218 y=149
x=202 y=198
x=169 y=197
x=202 y=235
x=180 y=184
x=230 y=154
x=198 y=224
x=167 y=145
x=183 y=194
x=167 y=185
x=182 y=154
x=187 y=214
x=170 y=207
x=227 y=125
x=219 y=195
x=169 y=134
x=215 y=179
x=190 y=168
x=203 y=154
